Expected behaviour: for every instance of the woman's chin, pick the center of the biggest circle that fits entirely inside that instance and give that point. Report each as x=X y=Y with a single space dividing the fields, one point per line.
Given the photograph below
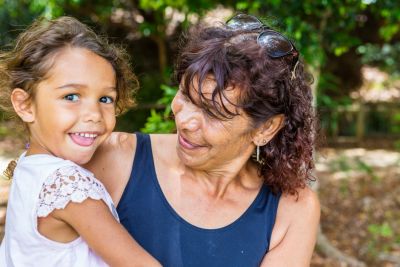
x=192 y=158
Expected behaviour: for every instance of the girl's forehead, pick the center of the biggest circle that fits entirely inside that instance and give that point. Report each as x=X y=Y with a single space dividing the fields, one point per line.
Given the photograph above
x=80 y=66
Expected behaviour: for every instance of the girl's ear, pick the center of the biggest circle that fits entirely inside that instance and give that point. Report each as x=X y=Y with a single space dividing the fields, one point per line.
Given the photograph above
x=268 y=130
x=22 y=105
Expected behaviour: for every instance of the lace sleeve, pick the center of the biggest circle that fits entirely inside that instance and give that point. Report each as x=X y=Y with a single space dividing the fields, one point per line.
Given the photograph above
x=68 y=184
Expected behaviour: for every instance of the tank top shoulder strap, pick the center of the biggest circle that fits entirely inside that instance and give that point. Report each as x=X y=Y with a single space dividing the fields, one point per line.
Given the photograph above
x=143 y=160
x=142 y=171
x=267 y=204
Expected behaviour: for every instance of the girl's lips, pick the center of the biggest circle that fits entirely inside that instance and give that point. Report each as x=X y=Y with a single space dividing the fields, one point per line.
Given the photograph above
x=186 y=144
x=83 y=140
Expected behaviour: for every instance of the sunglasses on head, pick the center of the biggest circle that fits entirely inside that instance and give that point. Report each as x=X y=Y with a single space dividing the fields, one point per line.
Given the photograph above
x=276 y=45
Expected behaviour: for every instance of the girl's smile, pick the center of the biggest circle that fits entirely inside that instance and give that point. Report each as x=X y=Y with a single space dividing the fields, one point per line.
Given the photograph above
x=83 y=139
x=73 y=110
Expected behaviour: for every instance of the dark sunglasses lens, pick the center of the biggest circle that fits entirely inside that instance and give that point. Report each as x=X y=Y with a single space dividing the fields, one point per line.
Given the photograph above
x=244 y=22
x=275 y=44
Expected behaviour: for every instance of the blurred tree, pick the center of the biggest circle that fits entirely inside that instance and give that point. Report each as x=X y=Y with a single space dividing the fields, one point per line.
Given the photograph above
x=335 y=37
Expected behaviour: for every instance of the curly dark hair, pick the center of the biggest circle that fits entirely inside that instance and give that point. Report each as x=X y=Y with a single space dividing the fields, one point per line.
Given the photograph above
x=28 y=63
x=267 y=88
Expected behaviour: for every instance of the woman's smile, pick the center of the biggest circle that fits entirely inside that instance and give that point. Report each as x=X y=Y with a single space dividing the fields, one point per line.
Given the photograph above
x=185 y=143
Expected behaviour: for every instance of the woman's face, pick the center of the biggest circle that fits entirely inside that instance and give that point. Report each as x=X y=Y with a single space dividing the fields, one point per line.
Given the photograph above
x=205 y=142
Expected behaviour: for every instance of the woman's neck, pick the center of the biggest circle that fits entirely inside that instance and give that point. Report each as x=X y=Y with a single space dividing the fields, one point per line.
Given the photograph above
x=217 y=181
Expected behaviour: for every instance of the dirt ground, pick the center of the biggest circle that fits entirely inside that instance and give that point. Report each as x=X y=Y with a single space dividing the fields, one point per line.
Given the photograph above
x=359 y=191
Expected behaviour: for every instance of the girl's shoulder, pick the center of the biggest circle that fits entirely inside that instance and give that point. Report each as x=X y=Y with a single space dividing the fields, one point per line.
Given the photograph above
x=69 y=183
x=40 y=166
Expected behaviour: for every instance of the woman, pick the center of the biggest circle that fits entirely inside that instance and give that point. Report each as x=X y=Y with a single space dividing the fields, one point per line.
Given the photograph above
x=230 y=188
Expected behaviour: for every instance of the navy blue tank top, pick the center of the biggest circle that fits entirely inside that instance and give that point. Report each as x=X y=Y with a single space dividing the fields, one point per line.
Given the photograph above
x=148 y=217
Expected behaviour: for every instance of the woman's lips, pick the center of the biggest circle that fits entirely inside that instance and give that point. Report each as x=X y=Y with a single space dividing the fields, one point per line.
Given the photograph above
x=186 y=144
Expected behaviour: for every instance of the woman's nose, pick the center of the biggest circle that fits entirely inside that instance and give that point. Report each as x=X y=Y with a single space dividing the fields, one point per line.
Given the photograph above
x=187 y=115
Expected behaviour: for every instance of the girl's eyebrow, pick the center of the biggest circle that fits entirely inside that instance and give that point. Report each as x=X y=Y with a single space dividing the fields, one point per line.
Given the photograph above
x=77 y=85
x=69 y=85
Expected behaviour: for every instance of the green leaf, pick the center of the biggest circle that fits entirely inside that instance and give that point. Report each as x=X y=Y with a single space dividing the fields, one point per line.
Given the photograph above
x=388 y=31
x=242 y=5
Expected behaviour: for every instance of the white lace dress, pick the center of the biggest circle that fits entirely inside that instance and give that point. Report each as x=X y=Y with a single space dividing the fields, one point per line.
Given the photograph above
x=42 y=183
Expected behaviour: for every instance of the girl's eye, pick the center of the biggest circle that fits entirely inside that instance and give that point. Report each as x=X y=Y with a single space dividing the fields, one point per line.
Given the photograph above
x=106 y=100
x=72 y=97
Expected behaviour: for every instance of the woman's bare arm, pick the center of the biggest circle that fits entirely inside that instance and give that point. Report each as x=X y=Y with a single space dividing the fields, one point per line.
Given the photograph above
x=294 y=235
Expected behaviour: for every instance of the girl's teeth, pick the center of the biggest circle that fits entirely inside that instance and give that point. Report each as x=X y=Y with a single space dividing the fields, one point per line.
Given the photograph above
x=86 y=135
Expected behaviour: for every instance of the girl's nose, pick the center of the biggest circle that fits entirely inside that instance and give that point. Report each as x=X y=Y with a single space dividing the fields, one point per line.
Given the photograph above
x=92 y=112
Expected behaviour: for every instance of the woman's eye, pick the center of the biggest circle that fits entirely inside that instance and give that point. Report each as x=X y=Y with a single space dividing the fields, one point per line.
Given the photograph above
x=72 y=97
x=106 y=100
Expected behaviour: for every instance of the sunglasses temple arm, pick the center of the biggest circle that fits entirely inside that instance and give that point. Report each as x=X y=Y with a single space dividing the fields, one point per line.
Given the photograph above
x=294 y=71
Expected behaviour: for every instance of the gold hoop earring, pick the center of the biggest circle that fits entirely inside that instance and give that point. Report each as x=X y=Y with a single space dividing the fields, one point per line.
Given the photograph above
x=264 y=142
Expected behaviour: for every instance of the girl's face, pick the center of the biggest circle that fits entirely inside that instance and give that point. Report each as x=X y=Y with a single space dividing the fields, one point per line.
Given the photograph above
x=209 y=143
x=73 y=109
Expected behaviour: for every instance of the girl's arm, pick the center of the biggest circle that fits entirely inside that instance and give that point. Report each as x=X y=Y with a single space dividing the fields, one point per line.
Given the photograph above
x=72 y=203
x=93 y=221
x=295 y=231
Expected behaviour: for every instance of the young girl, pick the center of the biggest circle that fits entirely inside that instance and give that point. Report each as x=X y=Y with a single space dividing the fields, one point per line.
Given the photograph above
x=67 y=85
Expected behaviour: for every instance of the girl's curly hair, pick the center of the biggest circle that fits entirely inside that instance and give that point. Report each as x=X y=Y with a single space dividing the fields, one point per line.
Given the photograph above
x=29 y=61
x=267 y=88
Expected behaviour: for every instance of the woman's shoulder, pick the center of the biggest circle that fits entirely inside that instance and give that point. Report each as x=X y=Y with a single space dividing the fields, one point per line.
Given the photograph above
x=166 y=140
x=112 y=161
x=299 y=208
x=164 y=148
x=305 y=199
x=120 y=147
x=127 y=141
x=119 y=141
x=297 y=214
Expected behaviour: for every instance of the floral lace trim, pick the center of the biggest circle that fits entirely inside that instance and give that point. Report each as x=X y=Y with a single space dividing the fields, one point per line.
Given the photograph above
x=68 y=184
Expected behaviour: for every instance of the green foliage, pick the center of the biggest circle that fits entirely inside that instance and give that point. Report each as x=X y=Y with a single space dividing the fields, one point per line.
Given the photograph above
x=386 y=56
x=157 y=123
x=347 y=165
x=4 y=131
x=162 y=122
x=396 y=128
x=364 y=167
x=379 y=233
x=320 y=30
